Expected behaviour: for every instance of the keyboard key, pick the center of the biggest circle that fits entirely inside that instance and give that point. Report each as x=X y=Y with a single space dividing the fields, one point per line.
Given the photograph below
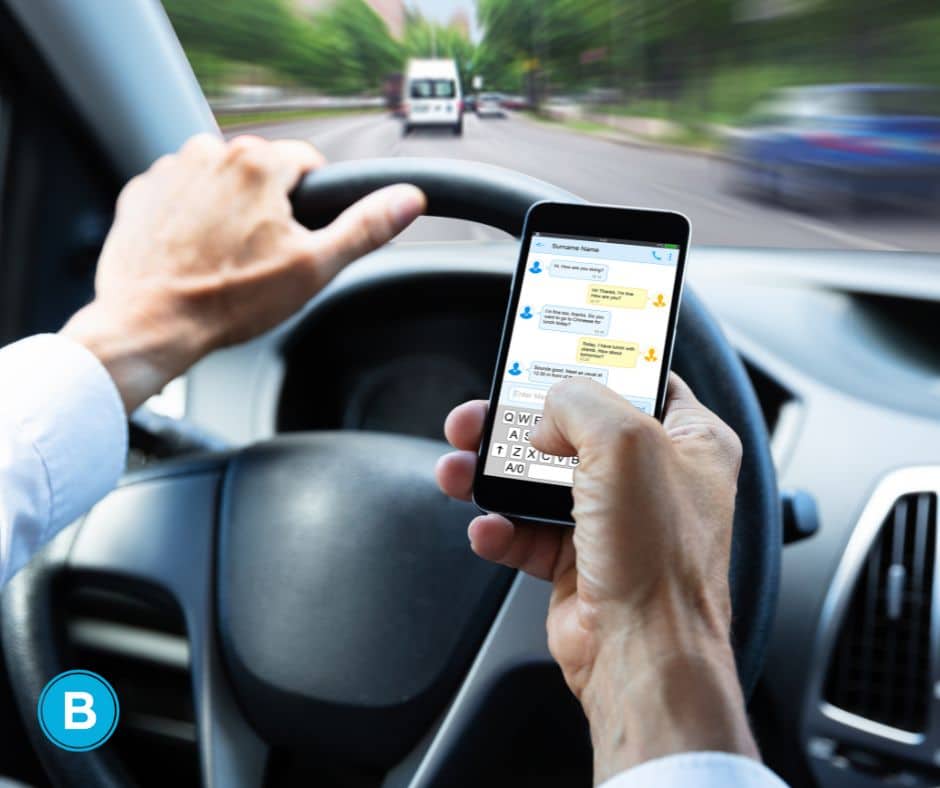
x=525 y=419
x=525 y=435
x=543 y=457
x=551 y=473
x=498 y=450
x=515 y=468
x=531 y=454
x=573 y=461
x=509 y=416
x=513 y=434
x=516 y=452
x=560 y=461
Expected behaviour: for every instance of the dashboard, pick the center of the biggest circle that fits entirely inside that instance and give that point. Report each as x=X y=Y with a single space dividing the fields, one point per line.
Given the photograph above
x=839 y=350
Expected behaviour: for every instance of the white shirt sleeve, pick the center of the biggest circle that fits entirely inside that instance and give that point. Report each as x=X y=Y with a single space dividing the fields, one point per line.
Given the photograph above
x=63 y=441
x=698 y=770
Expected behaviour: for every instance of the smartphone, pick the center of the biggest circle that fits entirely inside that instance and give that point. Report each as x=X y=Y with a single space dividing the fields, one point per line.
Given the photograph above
x=595 y=294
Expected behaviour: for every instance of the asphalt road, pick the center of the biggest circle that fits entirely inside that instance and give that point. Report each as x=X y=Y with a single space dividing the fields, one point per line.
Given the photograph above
x=615 y=173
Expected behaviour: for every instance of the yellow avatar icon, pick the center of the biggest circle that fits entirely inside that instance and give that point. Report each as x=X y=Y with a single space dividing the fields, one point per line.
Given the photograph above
x=660 y=300
x=650 y=355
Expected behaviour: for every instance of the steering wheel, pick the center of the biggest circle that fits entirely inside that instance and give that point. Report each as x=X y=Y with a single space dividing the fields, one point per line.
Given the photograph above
x=331 y=602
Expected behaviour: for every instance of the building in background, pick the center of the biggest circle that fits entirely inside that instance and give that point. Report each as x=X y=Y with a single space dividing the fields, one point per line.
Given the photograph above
x=460 y=22
x=392 y=12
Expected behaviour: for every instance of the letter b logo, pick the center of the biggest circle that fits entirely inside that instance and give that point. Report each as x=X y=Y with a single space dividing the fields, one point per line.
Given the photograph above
x=78 y=710
x=78 y=713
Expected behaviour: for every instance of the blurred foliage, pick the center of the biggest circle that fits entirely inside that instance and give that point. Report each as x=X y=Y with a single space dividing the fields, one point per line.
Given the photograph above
x=346 y=48
x=708 y=59
x=693 y=60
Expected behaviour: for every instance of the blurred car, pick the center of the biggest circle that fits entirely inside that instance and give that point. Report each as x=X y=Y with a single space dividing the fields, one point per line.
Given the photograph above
x=515 y=102
x=836 y=147
x=490 y=105
x=470 y=102
x=432 y=94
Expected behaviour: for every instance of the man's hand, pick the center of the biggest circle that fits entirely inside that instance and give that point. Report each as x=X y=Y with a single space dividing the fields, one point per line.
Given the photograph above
x=640 y=611
x=205 y=252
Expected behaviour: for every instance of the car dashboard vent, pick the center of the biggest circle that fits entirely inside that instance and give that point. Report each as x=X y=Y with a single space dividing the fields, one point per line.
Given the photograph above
x=139 y=645
x=879 y=668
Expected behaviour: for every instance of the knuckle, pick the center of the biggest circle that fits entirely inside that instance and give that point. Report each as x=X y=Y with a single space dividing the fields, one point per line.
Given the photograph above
x=200 y=143
x=632 y=431
x=373 y=230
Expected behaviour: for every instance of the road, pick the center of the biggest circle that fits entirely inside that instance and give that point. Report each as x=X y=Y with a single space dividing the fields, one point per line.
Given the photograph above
x=605 y=171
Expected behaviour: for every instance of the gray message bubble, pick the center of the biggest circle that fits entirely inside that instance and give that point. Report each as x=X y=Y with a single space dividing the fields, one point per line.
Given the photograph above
x=575 y=320
x=552 y=372
x=572 y=269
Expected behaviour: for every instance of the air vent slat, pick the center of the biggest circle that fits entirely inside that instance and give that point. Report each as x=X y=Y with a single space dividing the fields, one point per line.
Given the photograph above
x=880 y=664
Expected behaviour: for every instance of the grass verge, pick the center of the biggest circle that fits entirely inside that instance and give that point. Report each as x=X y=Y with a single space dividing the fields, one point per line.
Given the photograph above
x=231 y=119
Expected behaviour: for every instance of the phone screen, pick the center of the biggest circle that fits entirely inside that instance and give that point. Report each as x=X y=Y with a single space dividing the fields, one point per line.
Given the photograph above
x=588 y=307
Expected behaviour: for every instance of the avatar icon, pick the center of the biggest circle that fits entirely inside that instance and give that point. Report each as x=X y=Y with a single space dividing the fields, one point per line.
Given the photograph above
x=650 y=355
x=536 y=268
x=515 y=369
x=526 y=313
x=660 y=300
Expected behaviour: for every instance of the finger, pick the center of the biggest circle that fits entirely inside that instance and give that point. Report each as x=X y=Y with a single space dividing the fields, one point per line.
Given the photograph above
x=363 y=227
x=464 y=424
x=202 y=146
x=533 y=549
x=454 y=473
x=579 y=412
x=295 y=158
x=282 y=161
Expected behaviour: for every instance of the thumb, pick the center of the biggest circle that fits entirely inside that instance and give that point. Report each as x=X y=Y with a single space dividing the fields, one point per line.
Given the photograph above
x=363 y=227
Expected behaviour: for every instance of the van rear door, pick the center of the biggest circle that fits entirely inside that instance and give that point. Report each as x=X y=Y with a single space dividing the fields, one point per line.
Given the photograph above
x=433 y=100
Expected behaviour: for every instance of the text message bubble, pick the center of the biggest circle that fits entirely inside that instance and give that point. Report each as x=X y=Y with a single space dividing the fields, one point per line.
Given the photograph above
x=623 y=297
x=552 y=372
x=575 y=320
x=572 y=269
x=609 y=352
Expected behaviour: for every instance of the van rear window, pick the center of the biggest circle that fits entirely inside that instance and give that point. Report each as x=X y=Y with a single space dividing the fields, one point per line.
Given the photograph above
x=432 y=88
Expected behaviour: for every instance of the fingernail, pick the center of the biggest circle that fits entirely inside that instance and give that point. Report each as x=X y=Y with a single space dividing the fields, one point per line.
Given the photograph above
x=409 y=203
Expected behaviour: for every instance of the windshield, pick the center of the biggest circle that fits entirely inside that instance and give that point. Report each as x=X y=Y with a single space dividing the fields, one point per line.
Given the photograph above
x=769 y=123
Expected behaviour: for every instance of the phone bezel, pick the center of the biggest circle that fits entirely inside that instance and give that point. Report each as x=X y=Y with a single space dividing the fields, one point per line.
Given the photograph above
x=528 y=500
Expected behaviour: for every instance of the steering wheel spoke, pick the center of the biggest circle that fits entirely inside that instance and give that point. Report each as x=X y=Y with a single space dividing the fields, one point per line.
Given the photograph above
x=159 y=532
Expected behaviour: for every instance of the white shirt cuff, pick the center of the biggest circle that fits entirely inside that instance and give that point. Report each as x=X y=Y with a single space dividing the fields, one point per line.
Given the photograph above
x=58 y=399
x=698 y=770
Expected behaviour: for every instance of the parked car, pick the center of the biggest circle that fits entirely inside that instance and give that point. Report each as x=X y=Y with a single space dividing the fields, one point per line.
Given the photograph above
x=490 y=105
x=834 y=147
x=432 y=95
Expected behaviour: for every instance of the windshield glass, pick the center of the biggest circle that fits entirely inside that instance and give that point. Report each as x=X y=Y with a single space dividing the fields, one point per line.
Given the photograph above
x=436 y=88
x=769 y=123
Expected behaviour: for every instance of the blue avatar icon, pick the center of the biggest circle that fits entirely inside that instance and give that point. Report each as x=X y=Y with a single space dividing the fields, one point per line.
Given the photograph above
x=514 y=369
x=536 y=268
x=526 y=313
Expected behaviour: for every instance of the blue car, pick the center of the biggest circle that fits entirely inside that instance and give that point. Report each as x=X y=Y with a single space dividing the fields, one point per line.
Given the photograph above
x=835 y=147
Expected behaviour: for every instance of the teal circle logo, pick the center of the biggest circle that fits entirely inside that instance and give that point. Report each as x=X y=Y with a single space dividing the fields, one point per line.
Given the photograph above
x=78 y=710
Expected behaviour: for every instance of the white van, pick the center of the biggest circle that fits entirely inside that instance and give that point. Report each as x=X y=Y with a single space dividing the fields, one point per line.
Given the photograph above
x=431 y=95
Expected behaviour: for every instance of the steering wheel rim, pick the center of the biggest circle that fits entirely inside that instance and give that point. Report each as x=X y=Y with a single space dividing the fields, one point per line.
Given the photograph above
x=455 y=189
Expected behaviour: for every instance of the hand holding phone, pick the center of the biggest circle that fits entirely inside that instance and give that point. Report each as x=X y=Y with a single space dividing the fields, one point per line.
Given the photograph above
x=596 y=295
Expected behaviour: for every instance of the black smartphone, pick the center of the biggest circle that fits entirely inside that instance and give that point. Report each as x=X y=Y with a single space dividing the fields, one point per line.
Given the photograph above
x=595 y=294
